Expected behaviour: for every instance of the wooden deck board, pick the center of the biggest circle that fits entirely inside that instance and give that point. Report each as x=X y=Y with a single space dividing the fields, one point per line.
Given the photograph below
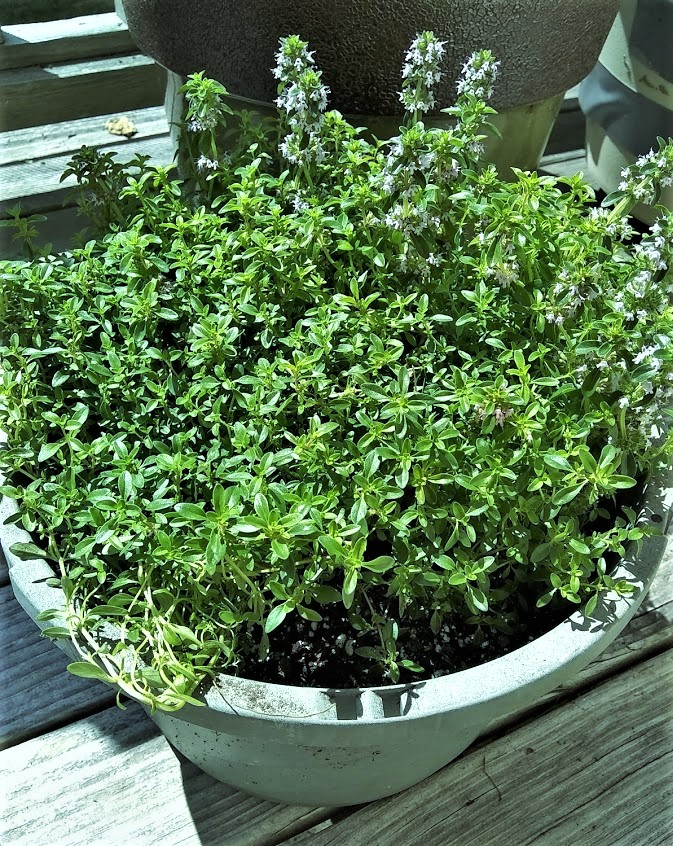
x=113 y=778
x=38 y=693
x=567 y=164
x=20 y=176
x=71 y=38
x=4 y=574
x=580 y=775
x=59 y=139
x=72 y=90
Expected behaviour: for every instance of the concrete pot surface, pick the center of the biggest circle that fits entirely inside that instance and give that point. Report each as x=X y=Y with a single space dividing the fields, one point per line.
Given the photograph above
x=544 y=46
x=318 y=746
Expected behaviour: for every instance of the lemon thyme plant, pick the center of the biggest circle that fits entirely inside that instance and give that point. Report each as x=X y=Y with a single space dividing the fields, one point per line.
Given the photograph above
x=318 y=385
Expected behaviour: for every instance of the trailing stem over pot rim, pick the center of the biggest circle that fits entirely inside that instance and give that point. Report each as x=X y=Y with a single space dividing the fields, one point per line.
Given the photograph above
x=313 y=377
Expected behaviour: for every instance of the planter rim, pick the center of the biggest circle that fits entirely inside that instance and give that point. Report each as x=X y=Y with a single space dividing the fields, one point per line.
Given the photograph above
x=574 y=642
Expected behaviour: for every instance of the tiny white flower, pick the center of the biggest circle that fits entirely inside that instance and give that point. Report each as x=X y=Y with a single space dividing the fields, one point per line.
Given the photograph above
x=205 y=163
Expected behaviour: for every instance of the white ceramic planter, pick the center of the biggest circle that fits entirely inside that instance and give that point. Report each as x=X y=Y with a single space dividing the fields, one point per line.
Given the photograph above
x=628 y=97
x=339 y=747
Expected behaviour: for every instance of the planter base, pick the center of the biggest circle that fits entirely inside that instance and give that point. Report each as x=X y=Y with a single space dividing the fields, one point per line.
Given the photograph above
x=351 y=772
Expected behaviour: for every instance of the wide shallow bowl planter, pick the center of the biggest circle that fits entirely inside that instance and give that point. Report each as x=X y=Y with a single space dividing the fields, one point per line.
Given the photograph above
x=317 y=746
x=544 y=46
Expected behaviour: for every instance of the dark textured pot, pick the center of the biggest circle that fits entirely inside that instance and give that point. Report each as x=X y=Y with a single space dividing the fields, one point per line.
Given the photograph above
x=544 y=46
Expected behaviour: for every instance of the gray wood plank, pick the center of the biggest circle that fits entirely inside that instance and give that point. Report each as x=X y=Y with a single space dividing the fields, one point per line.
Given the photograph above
x=72 y=90
x=599 y=770
x=38 y=693
x=567 y=163
x=62 y=40
x=22 y=11
x=114 y=779
x=4 y=575
x=37 y=187
x=41 y=142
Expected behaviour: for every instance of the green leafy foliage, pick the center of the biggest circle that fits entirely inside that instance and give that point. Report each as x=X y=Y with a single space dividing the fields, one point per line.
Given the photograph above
x=273 y=385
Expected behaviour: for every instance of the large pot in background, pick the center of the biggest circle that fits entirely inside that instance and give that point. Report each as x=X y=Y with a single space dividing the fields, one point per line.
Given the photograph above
x=544 y=46
x=628 y=97
x=327 y=747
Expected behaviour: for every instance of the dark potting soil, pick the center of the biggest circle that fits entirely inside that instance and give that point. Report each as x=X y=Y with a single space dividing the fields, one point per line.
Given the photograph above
x=323 y=654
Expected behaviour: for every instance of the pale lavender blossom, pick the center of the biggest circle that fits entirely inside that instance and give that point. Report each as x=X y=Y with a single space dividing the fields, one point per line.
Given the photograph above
x=292 y=57
x=303 y=98
x=204 y=163
x=205 y=122
x=298 y=204
x=501 y=416
x=646 y=354
x=478 y=76
x=651 y=171
x=411 y=220
x=504 y=273
x=421 y=72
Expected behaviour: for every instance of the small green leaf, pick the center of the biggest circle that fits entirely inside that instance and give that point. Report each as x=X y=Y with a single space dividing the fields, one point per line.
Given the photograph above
x=540 y=552
x=566 y=494
x=85 y=670
x=190 y=511
x=558 y=462
x=349 y=587
x=478 y=598
x=56 y=632
x=579 y=546
x=332 y=545
x=545 y=599
x=48 y=450
x=282 y=550
x=325 y=594
x=28 y=551
x=368 y=652
x=380 y=564
x=619 y=482
x=215 y=551
x=309 y=614
x=275 y=618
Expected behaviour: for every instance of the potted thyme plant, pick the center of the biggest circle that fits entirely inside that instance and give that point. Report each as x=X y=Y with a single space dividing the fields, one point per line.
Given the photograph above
x=331 y=434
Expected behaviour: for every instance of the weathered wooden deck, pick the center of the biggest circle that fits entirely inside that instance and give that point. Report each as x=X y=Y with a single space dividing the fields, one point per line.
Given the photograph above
x=590 y=764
